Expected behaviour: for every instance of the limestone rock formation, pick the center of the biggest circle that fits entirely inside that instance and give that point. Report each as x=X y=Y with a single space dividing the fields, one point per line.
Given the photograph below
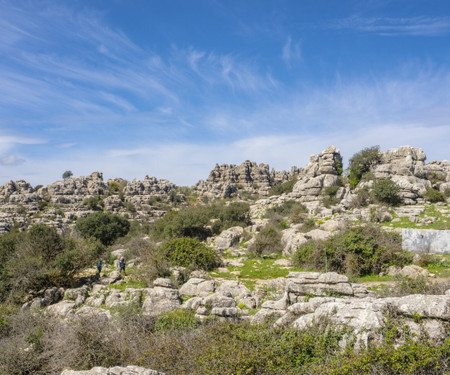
x=75 y=189
x=141 y=191
x=322 y=171
x=227 y=180
x=305 y=303
x=439 y=174
x=406 y=167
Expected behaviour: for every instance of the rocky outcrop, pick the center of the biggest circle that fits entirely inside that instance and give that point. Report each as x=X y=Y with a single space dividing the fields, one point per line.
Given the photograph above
x=406 y=167
x=142 y=191
x=439 y=174
x=129 y=370
x=322 y=171
x=75 y=189
x=312 y=298
x=228 y=180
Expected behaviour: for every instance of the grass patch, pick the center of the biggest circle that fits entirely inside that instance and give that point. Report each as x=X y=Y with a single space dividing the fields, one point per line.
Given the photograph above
x=130 y=284
x=442 y=220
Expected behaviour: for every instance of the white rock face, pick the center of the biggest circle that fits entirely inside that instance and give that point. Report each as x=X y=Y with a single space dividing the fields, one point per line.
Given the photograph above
x=426 y=240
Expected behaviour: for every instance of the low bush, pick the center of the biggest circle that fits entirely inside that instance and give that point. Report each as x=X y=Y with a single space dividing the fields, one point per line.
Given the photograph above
x=177 y=320
x=189 y=252
x=284 y=188
x=329 y=196
x=202 y=221
x=267 y=241
x=357 y=251
x=404 y=286
x=386 y=191
x=434 y=196
x=94 y=203
x=182 y=346
x=105 y=227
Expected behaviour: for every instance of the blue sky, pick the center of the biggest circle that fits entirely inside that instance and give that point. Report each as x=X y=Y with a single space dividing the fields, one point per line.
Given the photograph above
x=169 y=88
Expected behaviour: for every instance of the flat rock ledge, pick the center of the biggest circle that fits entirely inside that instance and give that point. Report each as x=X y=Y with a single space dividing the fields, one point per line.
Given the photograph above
x=312 y=298
x=129 y=370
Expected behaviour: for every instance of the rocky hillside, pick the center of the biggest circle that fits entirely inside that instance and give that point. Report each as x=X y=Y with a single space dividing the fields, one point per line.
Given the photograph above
x=250 y=271
x=63 y=201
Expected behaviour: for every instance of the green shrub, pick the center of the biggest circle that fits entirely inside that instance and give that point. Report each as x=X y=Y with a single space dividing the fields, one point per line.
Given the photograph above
x=362 y=198
x=202 y=221
x=357 y=251
x=105 y=227
x=329 y=196
x=188 y=252
x=447 y=193
x=386 y=191
x=94 y=203
x=361 y=163
x=42 y=258
x=287 y=208
x=267 y=241
x=284 y=188
x=177 y=320
x=434 y=196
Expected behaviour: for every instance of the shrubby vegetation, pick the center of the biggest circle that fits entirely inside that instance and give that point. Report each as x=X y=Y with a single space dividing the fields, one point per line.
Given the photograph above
x=41 y=258
x=176 y=344
x=267 y=241
x=284 y=188
x=329 y=196
x=104 y=227
x=94 y=203
x=361 y=163
x=201 y=222
x=357 y=251
x=294 y=211
x=386 y=191
x=434 y=196
x=189 y=252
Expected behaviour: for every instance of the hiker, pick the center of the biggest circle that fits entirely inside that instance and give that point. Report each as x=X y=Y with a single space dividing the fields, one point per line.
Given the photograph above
x=99 y=267
x=122 y=265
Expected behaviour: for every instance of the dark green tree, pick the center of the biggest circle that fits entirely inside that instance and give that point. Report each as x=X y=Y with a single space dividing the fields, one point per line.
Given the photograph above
x=361 y=163
x=67 y=174
x=107 y=228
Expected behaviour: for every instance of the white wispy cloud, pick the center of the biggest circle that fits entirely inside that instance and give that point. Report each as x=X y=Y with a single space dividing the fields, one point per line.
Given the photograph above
x=388 y=26
x=11 y=160
x=291 y=52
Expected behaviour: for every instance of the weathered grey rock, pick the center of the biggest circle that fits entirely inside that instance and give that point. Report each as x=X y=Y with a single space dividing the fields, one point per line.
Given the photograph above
x=111 y=278
x=412 y=271
x=228 y=238
x=197 y=287
x=228 y=180
x=233 y=287
x=62 y=309
x=163 y=282
x=321 y=172
x=292 y=239
x=159 y=300
x=427 y=306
